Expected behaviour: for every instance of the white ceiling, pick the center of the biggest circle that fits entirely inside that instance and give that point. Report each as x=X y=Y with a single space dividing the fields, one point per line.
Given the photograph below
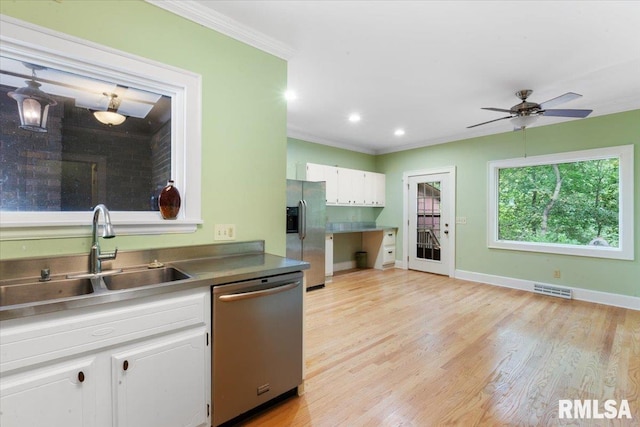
x=429 y=66
x=87 y=92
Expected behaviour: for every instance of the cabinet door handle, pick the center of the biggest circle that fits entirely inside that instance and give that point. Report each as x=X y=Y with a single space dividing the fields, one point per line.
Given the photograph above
x=125 y=365
x=81 y=376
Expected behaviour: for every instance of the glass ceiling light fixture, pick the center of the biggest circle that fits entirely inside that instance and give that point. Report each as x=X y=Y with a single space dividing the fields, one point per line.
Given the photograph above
x=111 y=116
x=290 y=95
x=33 y=103
x=521 y=122
x=354 y=118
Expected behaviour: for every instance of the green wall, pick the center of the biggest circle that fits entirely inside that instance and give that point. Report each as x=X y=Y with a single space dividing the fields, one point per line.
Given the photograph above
x=299 y=153
x=470 y=158
x=243 y=117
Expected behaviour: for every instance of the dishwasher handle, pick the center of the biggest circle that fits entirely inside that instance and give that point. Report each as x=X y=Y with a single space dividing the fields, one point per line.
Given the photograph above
x=257 y=294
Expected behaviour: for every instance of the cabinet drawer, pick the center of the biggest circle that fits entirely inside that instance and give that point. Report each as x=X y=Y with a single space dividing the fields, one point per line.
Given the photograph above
x=389 y=254
x=389 y=238
x=50 y=337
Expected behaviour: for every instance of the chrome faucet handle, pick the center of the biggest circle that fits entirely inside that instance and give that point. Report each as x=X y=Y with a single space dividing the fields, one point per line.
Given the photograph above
x=108 y=255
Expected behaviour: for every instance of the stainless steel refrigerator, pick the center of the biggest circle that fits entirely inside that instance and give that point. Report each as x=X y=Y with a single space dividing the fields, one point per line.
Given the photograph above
x=306 y=227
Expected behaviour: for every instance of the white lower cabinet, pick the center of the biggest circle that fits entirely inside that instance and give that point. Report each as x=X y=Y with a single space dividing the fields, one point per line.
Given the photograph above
x=161 y=383
x=61 y=394
x=381 y=248
x=124 y=364
x=328 y=255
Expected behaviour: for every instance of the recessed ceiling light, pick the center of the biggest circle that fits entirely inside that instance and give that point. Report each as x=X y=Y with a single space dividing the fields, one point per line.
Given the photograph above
x=290 y=95
x=354 y=118
x=399 y=132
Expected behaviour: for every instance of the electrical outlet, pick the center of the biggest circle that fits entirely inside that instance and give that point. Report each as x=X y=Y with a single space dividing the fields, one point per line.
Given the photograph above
x=556 y=274
x=224 y=232
x=461 y=220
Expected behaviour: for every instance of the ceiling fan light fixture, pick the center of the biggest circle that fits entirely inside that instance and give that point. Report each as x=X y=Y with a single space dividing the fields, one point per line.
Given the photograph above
x=524 y=121
x=110 y=117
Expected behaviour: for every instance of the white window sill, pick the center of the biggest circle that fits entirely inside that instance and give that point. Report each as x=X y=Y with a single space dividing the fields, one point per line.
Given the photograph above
x=41 y=225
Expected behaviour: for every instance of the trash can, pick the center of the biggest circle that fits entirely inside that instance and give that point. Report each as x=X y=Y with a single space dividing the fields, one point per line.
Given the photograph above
x=361 y=259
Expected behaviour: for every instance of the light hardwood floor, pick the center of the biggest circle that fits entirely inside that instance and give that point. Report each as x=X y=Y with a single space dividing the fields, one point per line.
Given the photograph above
x=403 y=348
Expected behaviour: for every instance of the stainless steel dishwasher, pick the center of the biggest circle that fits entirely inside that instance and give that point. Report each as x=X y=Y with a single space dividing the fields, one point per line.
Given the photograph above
x=257 y=343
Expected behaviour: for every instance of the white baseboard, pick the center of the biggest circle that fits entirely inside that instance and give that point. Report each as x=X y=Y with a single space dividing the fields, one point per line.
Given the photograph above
x=616 y=300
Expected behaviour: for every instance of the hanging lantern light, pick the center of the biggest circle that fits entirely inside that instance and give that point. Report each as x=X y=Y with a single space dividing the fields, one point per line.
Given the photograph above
x=33 y=103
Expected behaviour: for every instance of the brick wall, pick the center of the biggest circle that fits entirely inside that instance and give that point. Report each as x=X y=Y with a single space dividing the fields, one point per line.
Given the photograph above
x=29 y=161
x=132 y=163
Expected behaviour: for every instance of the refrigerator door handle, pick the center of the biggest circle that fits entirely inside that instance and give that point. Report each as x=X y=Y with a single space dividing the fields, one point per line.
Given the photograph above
x=302 y=219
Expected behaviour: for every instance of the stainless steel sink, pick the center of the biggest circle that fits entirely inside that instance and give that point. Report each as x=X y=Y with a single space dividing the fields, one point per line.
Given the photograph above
x=22 y=293
x=138 y=278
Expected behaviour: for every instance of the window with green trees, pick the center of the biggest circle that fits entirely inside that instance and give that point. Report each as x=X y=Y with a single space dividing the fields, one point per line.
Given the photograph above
x=576 y=203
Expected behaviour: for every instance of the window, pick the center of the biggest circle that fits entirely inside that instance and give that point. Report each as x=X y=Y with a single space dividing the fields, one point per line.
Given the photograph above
x=577 y=203
x=24 y=43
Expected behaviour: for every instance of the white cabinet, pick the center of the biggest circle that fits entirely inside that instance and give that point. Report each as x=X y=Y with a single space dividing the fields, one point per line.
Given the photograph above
x=134 y=363
x=329 y=174
x=381 y=247
x=161 y=383
x=349 y=187
x=60 y=394
x=374 y=189
x=380 y=183
x=328 y=255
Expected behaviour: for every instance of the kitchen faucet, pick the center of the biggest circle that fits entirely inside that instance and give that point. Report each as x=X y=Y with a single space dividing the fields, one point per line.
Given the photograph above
x=95 y=257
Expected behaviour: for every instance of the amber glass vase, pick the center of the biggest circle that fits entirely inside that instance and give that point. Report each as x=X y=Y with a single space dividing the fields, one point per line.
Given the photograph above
x=169 y=201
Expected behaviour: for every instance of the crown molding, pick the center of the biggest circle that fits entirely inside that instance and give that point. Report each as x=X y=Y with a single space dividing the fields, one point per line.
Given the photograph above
x=303 y=136
x=196 y=12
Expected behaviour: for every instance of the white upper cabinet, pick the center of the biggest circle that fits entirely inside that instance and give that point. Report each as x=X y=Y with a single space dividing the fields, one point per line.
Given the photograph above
x=328 y=174
x=349 y=187
x=380 y=183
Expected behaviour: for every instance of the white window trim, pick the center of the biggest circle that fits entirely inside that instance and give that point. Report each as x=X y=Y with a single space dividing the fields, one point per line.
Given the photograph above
x=625 y=250
x=28 y=42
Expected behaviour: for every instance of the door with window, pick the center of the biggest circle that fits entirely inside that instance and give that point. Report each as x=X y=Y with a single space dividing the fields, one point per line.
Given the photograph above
x=429 y=223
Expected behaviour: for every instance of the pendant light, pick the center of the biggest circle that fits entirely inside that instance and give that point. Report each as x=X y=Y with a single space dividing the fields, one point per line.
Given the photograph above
x=111 y=116
x=33 y=103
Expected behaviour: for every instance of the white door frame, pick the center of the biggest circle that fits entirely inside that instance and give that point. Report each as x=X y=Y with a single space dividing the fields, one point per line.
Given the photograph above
x=451 y=253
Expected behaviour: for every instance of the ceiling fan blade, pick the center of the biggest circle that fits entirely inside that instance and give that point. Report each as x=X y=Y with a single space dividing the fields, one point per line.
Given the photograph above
x=566 y=113
x=490 y=121
x=569 y=96
x=502 y=110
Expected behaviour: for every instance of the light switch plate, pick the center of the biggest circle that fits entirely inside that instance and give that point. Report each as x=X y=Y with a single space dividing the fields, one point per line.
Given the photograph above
x=224 y=232
x=461 y=220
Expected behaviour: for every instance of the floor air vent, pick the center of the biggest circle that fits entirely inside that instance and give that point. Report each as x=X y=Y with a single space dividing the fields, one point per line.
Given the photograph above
x=552 y=290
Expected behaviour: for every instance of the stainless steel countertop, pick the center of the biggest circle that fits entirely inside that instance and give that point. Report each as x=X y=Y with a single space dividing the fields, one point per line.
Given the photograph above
x=229 y=269
x=205 y=271
x=360 y=230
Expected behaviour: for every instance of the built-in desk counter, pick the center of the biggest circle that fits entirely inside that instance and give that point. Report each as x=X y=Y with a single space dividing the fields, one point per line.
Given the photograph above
x=378 y=241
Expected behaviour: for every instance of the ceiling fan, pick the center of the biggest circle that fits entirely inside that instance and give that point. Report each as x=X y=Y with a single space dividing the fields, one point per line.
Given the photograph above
x=525 y=113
